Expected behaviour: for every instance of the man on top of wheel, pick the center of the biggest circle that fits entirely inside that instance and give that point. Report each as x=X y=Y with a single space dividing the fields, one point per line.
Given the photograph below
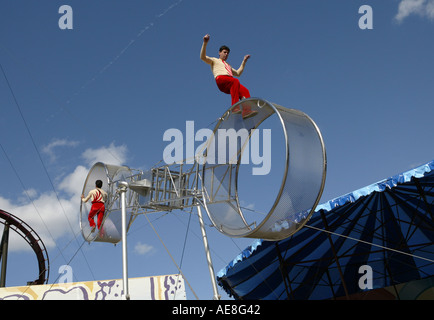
x=224 y=76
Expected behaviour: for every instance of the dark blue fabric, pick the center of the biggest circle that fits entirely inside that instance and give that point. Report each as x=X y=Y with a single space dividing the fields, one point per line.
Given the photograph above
x=396 y=213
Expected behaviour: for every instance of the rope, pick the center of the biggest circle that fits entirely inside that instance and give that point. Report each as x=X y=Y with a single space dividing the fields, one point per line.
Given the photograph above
x=185 y=240
x=359 y=240
x=40 y=158
x=34 y=145
x=371 y=244
x=85 y=85
x=30 y=199
x=170 y=255
x=183 y=249
x=68 y=263
x=70 y=260
x=121 y=53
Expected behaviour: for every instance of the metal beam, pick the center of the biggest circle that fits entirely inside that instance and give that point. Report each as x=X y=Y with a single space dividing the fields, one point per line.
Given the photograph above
x=4 y=254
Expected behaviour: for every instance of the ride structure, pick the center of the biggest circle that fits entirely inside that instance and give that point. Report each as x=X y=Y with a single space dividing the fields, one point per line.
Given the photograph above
x=14 y=223
x=211 y=181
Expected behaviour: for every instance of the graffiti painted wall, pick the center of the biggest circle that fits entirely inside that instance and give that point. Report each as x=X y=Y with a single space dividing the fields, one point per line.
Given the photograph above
x=168 y=287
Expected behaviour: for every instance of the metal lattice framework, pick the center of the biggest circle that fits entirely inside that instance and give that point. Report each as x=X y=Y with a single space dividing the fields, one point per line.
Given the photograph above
x=212 y=180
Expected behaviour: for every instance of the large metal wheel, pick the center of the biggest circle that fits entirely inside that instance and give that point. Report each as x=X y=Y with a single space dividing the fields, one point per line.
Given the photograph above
x=303 y=172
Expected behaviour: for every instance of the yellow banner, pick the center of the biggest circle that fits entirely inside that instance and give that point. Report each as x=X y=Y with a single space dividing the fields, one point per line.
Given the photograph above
x=168 y=287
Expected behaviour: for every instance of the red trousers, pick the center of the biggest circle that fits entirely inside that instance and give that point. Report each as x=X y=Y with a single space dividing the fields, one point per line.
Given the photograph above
x=232 y=86
x=98 y=209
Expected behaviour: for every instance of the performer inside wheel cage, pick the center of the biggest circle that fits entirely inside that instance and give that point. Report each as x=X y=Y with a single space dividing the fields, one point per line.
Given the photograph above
x=98 y=197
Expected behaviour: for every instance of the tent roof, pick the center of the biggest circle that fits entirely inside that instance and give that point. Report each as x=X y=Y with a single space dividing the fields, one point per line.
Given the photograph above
x=387 y=226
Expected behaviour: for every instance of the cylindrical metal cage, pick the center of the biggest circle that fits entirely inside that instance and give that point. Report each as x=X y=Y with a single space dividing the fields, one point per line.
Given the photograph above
x=303 y=175
x=111 y=228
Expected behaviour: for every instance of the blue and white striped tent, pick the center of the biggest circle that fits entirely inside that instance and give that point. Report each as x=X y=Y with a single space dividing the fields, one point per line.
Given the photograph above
x=370 y=243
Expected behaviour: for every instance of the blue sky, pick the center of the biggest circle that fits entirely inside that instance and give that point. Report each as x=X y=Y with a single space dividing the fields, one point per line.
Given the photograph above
x=109 y=88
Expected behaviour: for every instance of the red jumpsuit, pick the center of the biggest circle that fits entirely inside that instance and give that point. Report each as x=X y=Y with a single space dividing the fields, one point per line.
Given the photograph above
x=98 y=209
x=232 y=86
x=98 y=196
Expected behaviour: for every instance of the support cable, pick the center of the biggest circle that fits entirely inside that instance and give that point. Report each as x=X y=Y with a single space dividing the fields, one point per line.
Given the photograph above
x=39 y=155
x=171 y=257
x=34 y=144
x=361 y=241
x=370 y=243
x=68 y=263
x=183 y=248
x=70 y=260
x=347 y=237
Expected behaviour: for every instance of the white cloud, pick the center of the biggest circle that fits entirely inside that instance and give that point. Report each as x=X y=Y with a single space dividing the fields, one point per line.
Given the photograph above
x=423 y=8
x=56 y=214
x=73 y=182
x=112 y=154
x=49 y=149
x=430 y=9
x=49 y=217
x=143 y=248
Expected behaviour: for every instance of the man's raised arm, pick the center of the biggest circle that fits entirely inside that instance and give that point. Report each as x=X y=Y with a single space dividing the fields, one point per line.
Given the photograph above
x=203 y=50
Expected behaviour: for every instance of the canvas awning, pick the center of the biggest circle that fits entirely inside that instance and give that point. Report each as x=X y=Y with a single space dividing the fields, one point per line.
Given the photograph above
x=387 y=226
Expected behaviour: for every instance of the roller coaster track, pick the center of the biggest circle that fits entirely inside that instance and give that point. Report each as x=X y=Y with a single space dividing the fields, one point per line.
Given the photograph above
x=35 y=242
